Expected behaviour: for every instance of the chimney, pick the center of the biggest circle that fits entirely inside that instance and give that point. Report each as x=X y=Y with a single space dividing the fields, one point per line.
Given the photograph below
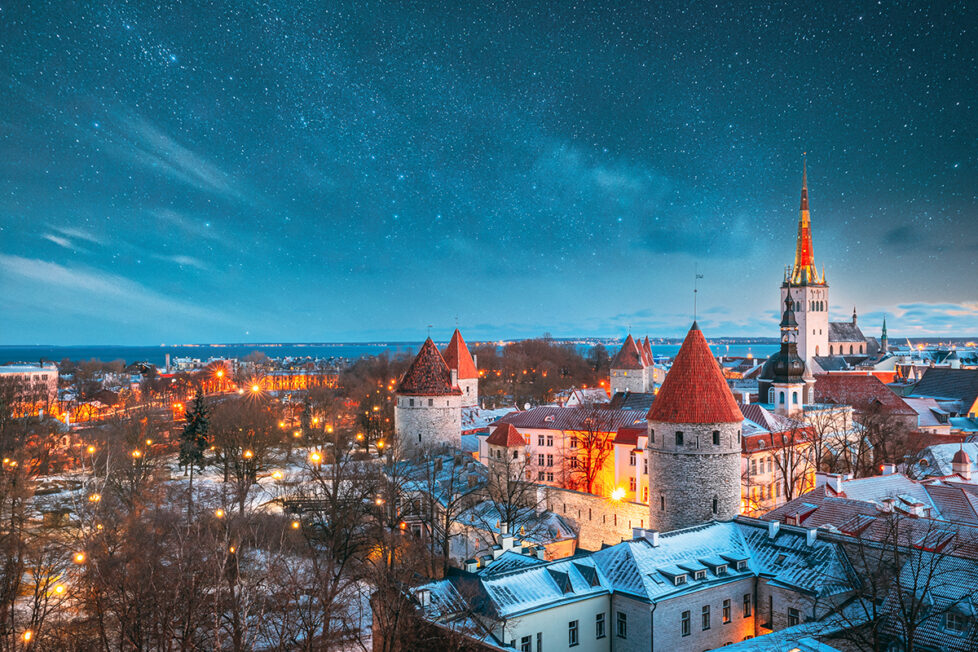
x=507 y=541
x=541 y=552
x=888 y=469
x=541 y=505
x=810 y=536
x=833 y=480
x=471 y=565
x=652 y=536
x=772 y=529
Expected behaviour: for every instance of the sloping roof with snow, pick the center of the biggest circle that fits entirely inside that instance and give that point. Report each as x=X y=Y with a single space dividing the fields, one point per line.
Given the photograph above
x=860 y=391
x=940 y=456
x=695 y=390
x=845 y=331
x=599 y=419
x=628 y=356
x=958 y=384
x=457 y=357
x=428 y=375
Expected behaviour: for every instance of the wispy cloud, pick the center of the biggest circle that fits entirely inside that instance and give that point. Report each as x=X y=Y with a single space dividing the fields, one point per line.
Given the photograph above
x=91 y=293
x=58 y=240
x=935 y=319
x=149 y=145
x=78 y=234
x=184 y=261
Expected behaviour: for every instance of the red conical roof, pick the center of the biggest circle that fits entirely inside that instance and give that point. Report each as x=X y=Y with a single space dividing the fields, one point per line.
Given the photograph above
x=457 y=357
x=628 y=357
x=647 y=346
x=694 y=390
x=961 y=458
x=506 y=434
x=428 y=375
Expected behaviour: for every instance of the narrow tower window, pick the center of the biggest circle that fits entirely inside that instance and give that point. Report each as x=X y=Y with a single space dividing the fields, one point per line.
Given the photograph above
x=716 y=437
x=716 y=505
x=679 y=438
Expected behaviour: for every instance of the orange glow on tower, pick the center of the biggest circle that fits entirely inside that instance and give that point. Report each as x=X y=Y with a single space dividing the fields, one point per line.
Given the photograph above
x=804 y=271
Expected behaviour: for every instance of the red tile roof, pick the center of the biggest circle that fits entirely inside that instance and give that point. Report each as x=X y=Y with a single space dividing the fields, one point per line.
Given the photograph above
x=600 y=419
x=694 y=390
x=428 y=375
x=506 y=434
x=628 y=435
x=647 y=349
x=457 y=357
x=628 y=357
x=860 y=391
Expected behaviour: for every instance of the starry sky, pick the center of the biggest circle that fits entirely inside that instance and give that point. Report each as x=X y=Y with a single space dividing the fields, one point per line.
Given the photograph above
x=355 y=171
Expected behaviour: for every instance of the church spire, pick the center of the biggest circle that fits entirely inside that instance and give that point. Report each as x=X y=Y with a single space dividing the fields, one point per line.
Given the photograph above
x=804 y=271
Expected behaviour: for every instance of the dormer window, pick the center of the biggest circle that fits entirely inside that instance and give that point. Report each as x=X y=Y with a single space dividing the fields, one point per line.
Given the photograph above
x=679 y=579
x=957 y=623
x=722 y=570
x=741 y=565
x=699 y=575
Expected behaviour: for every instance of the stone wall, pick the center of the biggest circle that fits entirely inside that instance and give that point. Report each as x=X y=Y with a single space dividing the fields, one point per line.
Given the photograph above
x=685 y=479
x=470 y=391
x=629 y=380
x=597 y=520
x=423 y=424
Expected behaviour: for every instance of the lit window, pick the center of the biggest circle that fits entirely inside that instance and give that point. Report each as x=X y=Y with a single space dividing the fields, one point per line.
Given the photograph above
x=726 y=611
x=631 y=484
x=747 y=605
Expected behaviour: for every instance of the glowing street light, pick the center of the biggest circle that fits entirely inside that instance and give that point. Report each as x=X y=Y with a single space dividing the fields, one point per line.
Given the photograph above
x=277 y=475
x=59 y=589
x=380 y=443
x=248 y=454
x=28 y=635
x=255 y=388
x=90 y=449
x=94 y=498
x=296 y=525
x=618 y=493
x=137 y=454
x=219 y=513
x=315 y=457
x=79 y=557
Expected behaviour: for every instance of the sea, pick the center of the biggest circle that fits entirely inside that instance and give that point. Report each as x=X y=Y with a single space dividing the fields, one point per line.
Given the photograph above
x=157 y=354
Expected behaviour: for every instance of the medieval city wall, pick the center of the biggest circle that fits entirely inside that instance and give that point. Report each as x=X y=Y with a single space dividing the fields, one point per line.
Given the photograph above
x=597 y=519
x=438 y=423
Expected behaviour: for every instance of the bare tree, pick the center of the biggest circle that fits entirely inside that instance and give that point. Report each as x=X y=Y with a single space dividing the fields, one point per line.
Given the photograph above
x=590 y=447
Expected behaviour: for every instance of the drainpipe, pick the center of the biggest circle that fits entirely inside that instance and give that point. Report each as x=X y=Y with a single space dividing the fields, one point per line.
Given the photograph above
x=652 y=627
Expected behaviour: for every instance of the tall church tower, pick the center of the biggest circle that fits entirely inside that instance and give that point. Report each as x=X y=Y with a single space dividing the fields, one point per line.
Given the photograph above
x=809 y=291
x=694 y=444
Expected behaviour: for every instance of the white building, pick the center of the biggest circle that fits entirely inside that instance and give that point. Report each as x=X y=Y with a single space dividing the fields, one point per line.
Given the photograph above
x=33 y=376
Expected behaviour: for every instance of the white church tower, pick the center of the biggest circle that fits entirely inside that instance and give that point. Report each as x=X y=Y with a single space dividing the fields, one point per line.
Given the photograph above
x=809 y=291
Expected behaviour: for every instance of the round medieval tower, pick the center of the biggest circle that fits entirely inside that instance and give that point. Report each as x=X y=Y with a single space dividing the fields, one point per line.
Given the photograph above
x=428 y=411
x=694 y=442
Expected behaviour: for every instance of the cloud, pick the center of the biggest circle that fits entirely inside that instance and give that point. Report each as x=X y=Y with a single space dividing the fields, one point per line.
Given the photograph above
x=185 y=261
x=935 y=319
x=58 y=240
x=91 y=293
x=78 y=234
x=148 y=145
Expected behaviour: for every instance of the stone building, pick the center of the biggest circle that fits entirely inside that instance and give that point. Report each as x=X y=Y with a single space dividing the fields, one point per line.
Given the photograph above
x=694 y=442
x=428 y=407
x=632 y=367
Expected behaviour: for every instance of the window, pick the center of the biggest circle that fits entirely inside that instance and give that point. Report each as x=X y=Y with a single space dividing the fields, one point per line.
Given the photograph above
x=684 y=628
x=631 y=458
x=770 y=395
x=572 y=633
x=716 y=505
x=652 y=436
x=541 y=458
x=431 y=402
x=662 y=503
x=599 y=625
x=550 y=440
x=573 y=442
x=956 y=623
x=411 y=402
x=679 y=438
x=747 y=605
x=645 y=494
x=526 y=644
x=622 y=624
x=539 y=440
x=631 y=484
x=550 y=477
x=753 y=467
x=539 y=641
x=645 y=465
x=573 y=463
x=550 y=460
x=792 y=616
x=716 y=437
x=781 y=398
x=706 y=616
x=679 y=580
x=540 y=476
x=726 y=611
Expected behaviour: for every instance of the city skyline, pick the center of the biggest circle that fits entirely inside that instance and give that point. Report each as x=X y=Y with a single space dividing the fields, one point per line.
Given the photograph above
x=358 y=172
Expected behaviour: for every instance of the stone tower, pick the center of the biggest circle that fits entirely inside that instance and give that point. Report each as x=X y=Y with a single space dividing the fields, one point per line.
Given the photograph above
x=428 y=411
x=694 y=443
x=459 y=360
x=884 y=340
x=507 y=457
x=629 y=368
x=808 y=290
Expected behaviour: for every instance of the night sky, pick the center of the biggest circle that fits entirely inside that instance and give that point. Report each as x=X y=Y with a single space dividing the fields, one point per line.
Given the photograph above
x=324 y=171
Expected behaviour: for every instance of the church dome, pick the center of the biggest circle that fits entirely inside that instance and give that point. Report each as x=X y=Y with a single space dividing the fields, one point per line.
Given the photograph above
x=785 y=366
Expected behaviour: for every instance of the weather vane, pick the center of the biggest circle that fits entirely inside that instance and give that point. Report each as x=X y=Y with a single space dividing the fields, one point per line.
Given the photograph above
x=696 y=277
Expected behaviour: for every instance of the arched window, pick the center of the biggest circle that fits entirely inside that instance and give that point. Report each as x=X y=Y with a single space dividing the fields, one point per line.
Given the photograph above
x=816 y=350
x=781 y=398
x=850 y=349
x=716 y=505
x=770 y=395
x=794 y=398
x=831 y=350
